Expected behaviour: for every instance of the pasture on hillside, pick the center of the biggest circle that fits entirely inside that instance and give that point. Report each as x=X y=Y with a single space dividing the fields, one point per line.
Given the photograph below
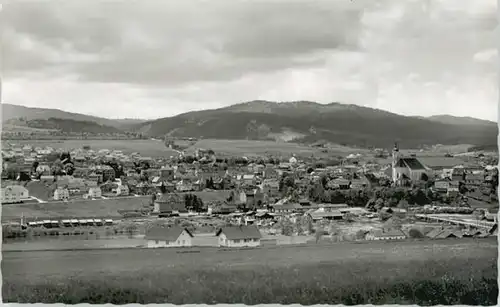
x=222 y=148
x=253 y=148
x=410 y=272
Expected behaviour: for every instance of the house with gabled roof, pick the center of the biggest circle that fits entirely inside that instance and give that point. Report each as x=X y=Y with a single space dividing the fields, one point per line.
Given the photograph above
x=444 y=233
x=173 y=236
x=239 y=236
x=474 y=179
x=285 y=208
x=321 y=214
x=14 y=194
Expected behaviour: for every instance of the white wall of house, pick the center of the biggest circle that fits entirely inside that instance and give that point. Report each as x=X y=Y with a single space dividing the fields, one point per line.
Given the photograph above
x=184 y=240
x=9 y=196
x=375 y=238
x=24 y=193
x=224 y=241
x=95 y=192
x=60 y=194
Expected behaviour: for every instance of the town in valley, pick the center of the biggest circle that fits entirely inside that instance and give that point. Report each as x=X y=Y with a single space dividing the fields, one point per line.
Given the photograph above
x=206 y=198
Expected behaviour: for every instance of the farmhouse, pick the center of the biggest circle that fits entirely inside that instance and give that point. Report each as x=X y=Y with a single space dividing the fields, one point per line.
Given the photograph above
x=239 y=236
x=168 y=237
x=169 y=203
x=287 y=208
x=474 y=179
x=440 y=233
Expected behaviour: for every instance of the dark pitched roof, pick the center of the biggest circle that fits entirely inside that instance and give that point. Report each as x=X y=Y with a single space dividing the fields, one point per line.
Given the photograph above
x=165 y=233
x=412 y=163
x=240 y=232
x=448 y=233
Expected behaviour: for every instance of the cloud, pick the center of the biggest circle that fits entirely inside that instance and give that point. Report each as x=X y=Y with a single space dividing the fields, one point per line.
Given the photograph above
x=108 y=58
x=486 y=56
x=155 y=42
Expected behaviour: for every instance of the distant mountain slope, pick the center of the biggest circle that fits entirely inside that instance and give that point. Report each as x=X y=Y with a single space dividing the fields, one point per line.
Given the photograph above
x=335 y=122
x=60 y=124
x=10 y=111
x=455 y=120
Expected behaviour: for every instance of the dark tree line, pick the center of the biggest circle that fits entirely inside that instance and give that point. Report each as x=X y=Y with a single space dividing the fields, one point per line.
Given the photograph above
x=193 y=203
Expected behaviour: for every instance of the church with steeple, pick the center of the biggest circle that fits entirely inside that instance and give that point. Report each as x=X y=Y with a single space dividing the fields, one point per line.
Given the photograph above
x=405 y=169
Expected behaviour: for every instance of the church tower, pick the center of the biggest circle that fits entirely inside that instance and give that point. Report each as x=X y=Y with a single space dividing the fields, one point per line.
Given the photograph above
x=395 y=159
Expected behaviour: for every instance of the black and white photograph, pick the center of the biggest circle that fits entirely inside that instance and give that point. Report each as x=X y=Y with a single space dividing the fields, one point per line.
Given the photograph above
x=334 y=152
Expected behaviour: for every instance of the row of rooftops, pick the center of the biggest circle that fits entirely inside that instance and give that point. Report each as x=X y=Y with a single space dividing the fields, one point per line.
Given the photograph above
x=172 y=233
x=70 y=221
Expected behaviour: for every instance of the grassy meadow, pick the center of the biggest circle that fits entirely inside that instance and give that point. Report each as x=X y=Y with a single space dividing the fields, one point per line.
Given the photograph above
x=261 y=148
x=100 y=208
x=413 y=272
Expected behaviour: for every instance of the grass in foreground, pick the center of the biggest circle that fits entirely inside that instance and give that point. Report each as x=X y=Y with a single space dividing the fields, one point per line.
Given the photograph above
x=350 y=282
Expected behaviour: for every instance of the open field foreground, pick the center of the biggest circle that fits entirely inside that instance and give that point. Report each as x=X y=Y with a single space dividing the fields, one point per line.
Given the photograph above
x=414 y=272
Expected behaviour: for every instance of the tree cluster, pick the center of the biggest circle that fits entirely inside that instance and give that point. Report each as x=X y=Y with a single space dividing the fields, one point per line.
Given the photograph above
x=193 y=203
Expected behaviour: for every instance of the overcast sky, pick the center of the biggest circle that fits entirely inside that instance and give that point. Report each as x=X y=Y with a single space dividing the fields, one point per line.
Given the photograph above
x=157 y=58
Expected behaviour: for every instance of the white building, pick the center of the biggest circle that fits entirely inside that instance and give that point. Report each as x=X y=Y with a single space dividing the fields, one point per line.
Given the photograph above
x=121 y=190
x=239 y=236
x=168 y=237
x=393 y=234
x=94 y=192
x=14 y=194
x=61 y=194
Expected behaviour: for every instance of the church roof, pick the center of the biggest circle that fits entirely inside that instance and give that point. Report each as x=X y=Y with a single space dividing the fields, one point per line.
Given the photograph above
x=411 y=163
